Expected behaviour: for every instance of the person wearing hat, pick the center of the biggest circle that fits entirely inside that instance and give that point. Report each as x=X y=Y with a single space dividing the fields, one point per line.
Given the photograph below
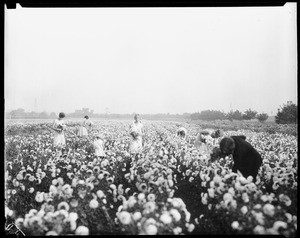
x=59 y=127
x=207 y=135
x=99 y=145
x=245 y=157
x=205 y=138
x=83 y=130
x=181 y=132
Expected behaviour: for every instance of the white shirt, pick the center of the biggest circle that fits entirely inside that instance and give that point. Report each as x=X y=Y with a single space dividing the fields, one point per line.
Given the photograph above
x=137 y=128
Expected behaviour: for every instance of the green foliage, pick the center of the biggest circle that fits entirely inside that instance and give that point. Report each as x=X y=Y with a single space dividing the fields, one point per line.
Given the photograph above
x=262 y=117
x=287 y=114
x=249 y=114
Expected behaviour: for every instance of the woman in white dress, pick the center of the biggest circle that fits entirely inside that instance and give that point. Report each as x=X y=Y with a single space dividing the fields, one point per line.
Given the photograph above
x=83 y=130
x=136 y=132
x=99 y=146
x=59 y=127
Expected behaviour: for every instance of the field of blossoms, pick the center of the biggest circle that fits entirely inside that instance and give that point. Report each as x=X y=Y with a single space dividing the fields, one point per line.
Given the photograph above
x=171 y=188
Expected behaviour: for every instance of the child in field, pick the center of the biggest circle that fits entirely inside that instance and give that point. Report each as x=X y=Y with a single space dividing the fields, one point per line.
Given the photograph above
x=83 y=130
x=99 y=146
x=59 y=127
x=205 y=137
x=136 y=132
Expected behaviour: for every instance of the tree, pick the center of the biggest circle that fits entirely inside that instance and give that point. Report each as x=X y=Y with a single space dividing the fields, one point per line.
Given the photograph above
x=20 y=112
x=262 y=117
x=52 y=115
x=249 y=114
x=287 y=114
x=234 y=115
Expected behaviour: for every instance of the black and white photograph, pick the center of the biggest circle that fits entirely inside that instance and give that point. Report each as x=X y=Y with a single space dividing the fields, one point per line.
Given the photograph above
x=150 y=120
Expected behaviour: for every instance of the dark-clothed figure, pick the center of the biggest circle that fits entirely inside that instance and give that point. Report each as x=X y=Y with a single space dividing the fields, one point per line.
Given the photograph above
x=246 y=159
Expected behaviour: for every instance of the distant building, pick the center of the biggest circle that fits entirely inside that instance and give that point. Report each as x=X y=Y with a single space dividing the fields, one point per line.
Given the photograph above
x=83 y=112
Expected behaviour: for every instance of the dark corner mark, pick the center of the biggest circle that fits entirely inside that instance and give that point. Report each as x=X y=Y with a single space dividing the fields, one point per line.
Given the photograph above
x=11 y=4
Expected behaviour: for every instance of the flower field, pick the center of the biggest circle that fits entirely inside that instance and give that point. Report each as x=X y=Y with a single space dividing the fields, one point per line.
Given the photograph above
x=171 y=188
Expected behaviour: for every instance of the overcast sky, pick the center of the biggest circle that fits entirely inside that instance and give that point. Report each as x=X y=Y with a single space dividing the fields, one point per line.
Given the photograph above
x=150 y=60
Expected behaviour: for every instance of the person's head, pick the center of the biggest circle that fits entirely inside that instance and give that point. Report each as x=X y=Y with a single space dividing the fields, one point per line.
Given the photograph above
x=227 y=146
x=136 y=117
x=218 y=133
x=86 y=117
x=61 y=115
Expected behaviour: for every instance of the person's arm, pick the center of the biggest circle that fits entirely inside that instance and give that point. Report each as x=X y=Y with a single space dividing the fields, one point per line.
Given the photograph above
x=142 y=129
x=54 y=127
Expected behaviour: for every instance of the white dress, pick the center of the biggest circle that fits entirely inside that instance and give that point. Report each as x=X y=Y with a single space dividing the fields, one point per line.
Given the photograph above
x=59 y=137
x=83 y=129
x=99 y=147
x=136 y=145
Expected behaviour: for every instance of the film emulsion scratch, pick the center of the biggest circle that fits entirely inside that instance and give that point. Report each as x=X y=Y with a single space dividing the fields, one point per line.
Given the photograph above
x=151 y=121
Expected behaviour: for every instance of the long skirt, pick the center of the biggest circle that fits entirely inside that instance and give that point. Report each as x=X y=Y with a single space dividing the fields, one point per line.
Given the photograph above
x=136 y=145
x=82 y=131
x=59 y=140
x=100 y=152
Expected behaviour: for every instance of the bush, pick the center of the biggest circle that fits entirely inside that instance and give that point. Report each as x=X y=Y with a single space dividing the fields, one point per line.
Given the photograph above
x=287 y=114
x=262 y=117
x=249 y=114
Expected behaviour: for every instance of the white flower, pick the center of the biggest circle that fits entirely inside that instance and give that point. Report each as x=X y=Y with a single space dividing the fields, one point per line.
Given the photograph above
x=113 y=187
x=259 y=230
x=231 y=191
x=31 y=190
x=151 y=229
x=137 y=216
x=100 y=194
x=289 y=217
x=39 y=197
x=244 y=210
x=51 y=233
x=63 y=205
x=269 y=209
x=82 y=230
x=73 y=225
x=257 y=206
x=279 y=224
x=8 y=212
x=245 y=197
x=190 y=227
x=175 y=214
x=141 y=196
x=177 y=230
x=235 y=225
x=94 y=203
x=73 y=216
x=124 y=217
x=53 y=189
x=54 y=182
x=211 y=192
x=166 y=218
x=285 y=199
x=217 y=179
x=171 y=183
x=227 y=196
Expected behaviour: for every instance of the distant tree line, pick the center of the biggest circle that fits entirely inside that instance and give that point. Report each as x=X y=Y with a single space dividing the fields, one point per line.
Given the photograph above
x=211 y=115
x=287 y=114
